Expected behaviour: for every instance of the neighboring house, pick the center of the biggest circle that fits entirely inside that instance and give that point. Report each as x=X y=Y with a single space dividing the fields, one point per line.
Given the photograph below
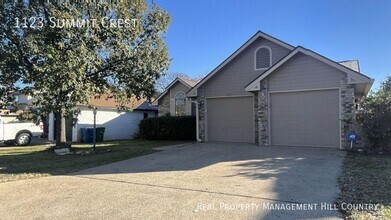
x=118 y=124
x=22 y=102
x=271 y=93
x=173 y=100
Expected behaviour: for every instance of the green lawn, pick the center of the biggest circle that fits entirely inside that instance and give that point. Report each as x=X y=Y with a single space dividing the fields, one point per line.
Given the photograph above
x=36 y=161
x=366 y=179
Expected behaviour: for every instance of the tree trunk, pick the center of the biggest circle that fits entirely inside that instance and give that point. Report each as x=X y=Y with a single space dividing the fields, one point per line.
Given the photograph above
x=60 y=130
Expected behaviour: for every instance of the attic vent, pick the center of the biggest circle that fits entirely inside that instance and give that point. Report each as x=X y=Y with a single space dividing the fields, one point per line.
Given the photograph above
x=263 y=58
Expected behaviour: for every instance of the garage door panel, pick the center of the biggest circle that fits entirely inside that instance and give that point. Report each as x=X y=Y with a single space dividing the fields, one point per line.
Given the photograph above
x=288 y=126
x=308 y=118
x=328 y=110
x=329 y=125
x=230 y=119
x=309 y=139
x=309 y=98
x=294 y=140
x=288 y=113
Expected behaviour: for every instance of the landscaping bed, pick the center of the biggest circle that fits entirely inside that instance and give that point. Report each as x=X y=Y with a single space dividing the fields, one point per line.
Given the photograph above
x=366 y=179
x=18 y=163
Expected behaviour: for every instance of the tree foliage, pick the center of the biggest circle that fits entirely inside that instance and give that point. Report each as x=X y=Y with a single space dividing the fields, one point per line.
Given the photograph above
x=66 y=66
x=375 y=117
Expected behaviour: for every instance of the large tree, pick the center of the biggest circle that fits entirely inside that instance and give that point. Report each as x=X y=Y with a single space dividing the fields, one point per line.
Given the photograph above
x=64 y=53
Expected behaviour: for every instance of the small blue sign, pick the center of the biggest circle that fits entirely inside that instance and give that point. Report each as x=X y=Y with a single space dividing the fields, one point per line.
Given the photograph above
x=352 y=136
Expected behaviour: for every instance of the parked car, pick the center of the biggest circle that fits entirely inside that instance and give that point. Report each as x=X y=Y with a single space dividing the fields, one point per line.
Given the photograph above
x=20 y=133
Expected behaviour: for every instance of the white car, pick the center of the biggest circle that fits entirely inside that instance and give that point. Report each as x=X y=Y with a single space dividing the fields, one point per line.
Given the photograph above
x=19 y=132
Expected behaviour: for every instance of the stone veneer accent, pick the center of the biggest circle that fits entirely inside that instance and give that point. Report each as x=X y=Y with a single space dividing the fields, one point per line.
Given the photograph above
x=347 y=109
x=262 y=114
x=201 y=112
x=256 y=118
x=348 y=115
x=164 y=105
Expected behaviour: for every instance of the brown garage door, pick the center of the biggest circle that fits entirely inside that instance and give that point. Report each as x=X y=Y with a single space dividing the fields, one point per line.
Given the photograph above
x=308 y=118
x=230 y=119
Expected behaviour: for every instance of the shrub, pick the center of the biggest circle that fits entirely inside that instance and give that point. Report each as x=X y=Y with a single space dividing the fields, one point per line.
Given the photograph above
x=375 y=117
x=168 y=128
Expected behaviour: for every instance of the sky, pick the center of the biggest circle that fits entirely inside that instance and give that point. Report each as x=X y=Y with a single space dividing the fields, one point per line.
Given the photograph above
x=203 y=33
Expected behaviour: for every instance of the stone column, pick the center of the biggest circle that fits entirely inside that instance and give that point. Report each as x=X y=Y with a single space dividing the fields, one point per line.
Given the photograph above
x=201 y=112
x=263 y=114
x=348 y=110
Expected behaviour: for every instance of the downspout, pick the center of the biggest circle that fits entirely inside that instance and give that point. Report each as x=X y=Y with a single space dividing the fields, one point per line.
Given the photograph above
x=197 y=122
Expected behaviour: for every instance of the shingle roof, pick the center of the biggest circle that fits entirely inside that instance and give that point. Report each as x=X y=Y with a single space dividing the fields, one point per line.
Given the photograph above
x=106 y=102
x=147 y=106
x=190 y=82
x=351 y=64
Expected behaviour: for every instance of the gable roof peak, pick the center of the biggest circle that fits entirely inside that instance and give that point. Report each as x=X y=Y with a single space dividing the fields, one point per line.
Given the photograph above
x=258 y=34
x=189 y=82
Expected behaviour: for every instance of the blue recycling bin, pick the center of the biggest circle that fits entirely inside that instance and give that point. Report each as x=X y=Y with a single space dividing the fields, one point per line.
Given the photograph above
x=83 y=134
x=87 y=134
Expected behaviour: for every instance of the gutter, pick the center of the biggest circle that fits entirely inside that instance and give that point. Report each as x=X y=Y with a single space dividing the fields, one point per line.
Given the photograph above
x=197 y=122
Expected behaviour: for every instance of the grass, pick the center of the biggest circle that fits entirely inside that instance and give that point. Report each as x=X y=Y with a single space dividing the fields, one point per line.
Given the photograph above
x=366 y=179
x=18 y=163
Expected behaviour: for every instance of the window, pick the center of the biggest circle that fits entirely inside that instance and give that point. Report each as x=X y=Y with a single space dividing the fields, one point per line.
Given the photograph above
x=263 y=58
x=145 y=115
x=180 y=100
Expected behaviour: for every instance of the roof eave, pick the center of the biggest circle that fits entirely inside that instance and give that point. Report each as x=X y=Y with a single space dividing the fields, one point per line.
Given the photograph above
x=359 y=77
x=368 y=87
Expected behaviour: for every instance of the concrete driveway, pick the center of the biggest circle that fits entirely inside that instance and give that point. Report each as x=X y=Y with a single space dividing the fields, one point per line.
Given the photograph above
x=198 y=181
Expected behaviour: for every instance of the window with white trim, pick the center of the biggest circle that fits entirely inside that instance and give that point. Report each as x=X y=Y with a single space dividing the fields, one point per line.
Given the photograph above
x=263 y=58
x=180 y=102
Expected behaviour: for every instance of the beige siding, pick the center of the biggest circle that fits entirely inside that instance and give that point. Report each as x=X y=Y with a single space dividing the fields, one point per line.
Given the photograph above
x=230 y=119
x=179 y=87
x=231 y=80
x=164 y=104
x=304 y=72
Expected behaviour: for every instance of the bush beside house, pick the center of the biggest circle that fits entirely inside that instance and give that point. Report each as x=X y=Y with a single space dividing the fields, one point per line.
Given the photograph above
x=168 y=128
x=375 y=117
